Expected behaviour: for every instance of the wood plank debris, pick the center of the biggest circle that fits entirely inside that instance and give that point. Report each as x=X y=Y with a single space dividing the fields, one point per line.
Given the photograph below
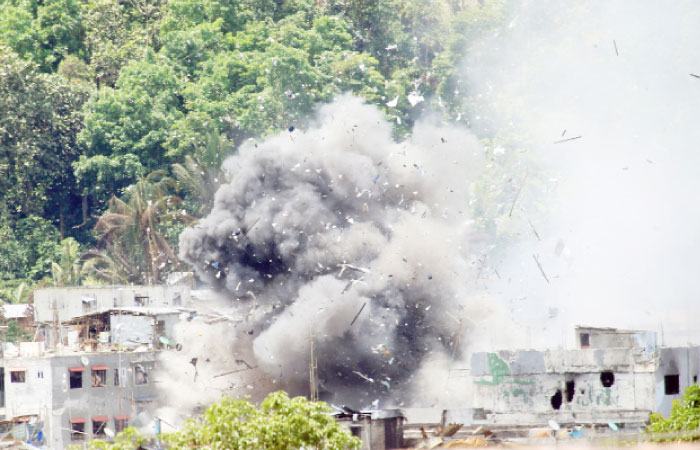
x=358 y=313
x=540 y=267
x=567 y=139
x=517 y=194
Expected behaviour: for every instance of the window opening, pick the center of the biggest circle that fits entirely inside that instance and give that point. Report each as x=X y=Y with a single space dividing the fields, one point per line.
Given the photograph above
x=98 y=426
x=672 y=384
x=77 y=430
x=99 y=376
x=556 y=399
x=140 y=300
x=140 y=375
x=570 y=390
x=17 y=376
x=40 y=374
x=75 y=377
x=120 y=423
x=607 y=379
x=695 y=378
x=585 y=340
x=116 y=377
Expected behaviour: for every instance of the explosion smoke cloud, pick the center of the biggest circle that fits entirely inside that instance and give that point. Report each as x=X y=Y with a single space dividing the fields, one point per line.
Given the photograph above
x=316 y=224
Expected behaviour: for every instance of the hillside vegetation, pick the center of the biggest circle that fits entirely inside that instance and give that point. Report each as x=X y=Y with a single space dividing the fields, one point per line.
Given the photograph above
x=116 y=114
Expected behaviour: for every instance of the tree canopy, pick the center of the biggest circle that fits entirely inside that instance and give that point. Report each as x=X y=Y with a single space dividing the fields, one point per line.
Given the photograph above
x=98 y=94
x=280 y=423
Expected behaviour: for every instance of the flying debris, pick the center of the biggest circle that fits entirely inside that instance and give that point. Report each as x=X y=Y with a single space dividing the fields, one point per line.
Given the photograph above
x=311 y=239
x=567 y=139
x=414 y=98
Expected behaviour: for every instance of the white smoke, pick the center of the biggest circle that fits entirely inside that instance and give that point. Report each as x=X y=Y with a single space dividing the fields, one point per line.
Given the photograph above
x=616 y=214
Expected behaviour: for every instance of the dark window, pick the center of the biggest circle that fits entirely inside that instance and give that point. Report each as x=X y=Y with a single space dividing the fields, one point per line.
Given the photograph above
x=695 y=378
x=98 y=426
x=356 y=431
x=607 y=379
x=77 y=431
x=672 y=384
x=140 y=300
x=99 y=377
x=76 y=379
x=116 y=377
x=17 y=376
x=556 y=399
x=140 y=375
x=40 y=374
x=570 y=390
x=120 y=423
x=585 y=340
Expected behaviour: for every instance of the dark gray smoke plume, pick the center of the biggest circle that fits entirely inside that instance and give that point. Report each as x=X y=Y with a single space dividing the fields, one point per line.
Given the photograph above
x=341 y=236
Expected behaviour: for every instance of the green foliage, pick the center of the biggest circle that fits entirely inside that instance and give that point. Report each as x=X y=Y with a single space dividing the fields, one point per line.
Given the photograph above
x=98 y=93
x=129 y=439
x=15 y=291
x=684 y=417
x=14 y=333
x=40 y=122
x=27 y=248
x=131 y=245
x=279 y=423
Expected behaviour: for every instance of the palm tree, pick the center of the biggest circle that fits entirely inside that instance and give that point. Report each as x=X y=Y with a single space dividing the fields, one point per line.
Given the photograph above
x=131 y=247
x=200 y=175
x=69 y=270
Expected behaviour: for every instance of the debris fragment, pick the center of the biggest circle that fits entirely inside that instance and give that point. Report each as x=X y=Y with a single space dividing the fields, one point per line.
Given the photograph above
x=517 y=194
x=693 y=75
x=533 y=230
x=358 y=313
x=567 y=139
x=540 y=266
x=393 y=103
x=414 y=98
x=193 y=361
x=615 y=45
x=363 y=376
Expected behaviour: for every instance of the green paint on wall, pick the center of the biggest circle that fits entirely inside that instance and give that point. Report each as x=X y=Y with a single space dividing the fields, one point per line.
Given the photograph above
x=499 y=371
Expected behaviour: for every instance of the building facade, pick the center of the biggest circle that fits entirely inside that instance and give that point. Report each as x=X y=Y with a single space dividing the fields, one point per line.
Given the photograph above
x=65 y=303
x=615 y=376
x=74 y=398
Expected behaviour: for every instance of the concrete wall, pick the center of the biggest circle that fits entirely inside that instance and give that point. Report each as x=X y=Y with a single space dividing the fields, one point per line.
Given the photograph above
x=681 y=361
x=70 y=302
x=572 y=385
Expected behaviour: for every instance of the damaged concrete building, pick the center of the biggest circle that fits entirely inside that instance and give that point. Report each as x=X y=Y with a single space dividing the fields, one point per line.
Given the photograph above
x=73 y=398
x=89 y=372
x=65 y=303
x=615 y=376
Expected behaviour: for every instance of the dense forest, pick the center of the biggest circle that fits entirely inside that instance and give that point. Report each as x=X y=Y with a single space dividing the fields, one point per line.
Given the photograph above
x=117 y=114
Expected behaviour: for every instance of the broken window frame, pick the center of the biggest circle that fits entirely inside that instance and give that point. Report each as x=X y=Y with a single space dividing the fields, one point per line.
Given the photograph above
x=140 y=375
x=18 y=375
x=120 y=423
x=98 y=426
x=77 y=429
